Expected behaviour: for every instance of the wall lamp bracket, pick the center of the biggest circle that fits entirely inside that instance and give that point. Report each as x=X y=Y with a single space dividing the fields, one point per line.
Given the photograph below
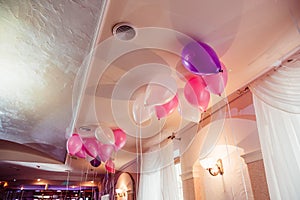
x=217 y=169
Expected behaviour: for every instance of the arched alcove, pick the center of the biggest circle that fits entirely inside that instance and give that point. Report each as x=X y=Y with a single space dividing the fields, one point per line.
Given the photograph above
x=234 y=138
x=125 y=187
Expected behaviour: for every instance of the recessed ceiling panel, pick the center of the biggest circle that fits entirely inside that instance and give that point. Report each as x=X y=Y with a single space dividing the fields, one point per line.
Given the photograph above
x=42 y=46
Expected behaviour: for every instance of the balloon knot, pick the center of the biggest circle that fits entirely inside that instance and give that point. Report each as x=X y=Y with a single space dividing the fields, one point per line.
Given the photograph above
x=221 y=70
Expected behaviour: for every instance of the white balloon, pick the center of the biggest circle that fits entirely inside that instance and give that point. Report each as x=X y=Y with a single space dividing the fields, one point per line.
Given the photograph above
x=161 y=89
x=186 y=110
x=105 y=135
x=141 y=113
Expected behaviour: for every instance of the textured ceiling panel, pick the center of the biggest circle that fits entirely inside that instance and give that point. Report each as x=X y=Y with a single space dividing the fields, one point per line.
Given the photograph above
x=42 y=46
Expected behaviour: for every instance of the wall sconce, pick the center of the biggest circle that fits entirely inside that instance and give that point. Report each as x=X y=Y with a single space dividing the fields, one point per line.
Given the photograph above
x=217 y=168
x=121 y=193
x=213 y=167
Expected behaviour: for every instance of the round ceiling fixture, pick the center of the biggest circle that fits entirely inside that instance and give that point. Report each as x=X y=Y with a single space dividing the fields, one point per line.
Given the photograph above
x=85 y=128
x=124 y=31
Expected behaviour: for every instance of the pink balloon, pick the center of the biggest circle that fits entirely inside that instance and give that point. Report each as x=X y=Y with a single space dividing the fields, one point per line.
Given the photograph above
x=81 y=153
x=196 y=94
x=216 y=83
x=110 y=166
x=91 y=146
x=105 y=151
x=74 y=144
x=120 y=138
x=167 y=108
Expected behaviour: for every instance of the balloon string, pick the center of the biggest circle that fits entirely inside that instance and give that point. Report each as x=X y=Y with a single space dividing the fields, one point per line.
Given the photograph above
x=224 y=136
x=68 y=172
x=67 y=184
x=81 y=177
x=86 y=174
x=141 y=147
x=68 y=164
x=159 y=147
x=93 y=189
x=107 y=183
x=227 y=150
x=228 y=158
x=160 y=131
x=237 y=149
x=93 y=183
x=137 y=160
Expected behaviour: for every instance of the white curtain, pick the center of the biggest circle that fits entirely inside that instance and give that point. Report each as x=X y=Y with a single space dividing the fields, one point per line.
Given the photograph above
x=277 y=105
x=158 y=178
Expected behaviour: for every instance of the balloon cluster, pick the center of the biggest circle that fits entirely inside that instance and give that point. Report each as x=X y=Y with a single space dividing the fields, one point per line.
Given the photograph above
x=210 y=75
x=207 y=75
x=162 y=97
x=97 y=145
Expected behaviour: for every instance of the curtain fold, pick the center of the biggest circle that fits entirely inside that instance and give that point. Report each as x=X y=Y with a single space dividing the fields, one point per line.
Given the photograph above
x=276 y=99
x=280 y=89
x=158 y=178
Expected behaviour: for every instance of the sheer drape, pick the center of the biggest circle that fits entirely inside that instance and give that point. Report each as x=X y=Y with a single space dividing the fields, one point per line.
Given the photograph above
x=158 y=178
x=277 y=105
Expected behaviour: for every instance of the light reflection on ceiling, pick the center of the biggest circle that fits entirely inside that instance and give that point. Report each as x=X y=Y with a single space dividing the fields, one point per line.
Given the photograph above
x=42 y=46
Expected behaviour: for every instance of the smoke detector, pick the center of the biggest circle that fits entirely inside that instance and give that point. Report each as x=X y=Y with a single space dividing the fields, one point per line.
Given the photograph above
x=124 y=31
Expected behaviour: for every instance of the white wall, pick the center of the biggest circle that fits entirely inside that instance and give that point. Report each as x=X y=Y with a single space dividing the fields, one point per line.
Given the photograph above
x=234 y=183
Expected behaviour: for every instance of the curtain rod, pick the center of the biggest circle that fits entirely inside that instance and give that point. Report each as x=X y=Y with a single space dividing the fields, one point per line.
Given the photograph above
x=288 y=58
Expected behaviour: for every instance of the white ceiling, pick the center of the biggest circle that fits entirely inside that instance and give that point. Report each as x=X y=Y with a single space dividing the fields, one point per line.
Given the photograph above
x=248 y=36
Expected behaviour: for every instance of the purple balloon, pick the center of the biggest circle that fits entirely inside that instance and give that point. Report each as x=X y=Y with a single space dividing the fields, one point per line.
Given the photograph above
x=95 y=162
x=199 y=58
